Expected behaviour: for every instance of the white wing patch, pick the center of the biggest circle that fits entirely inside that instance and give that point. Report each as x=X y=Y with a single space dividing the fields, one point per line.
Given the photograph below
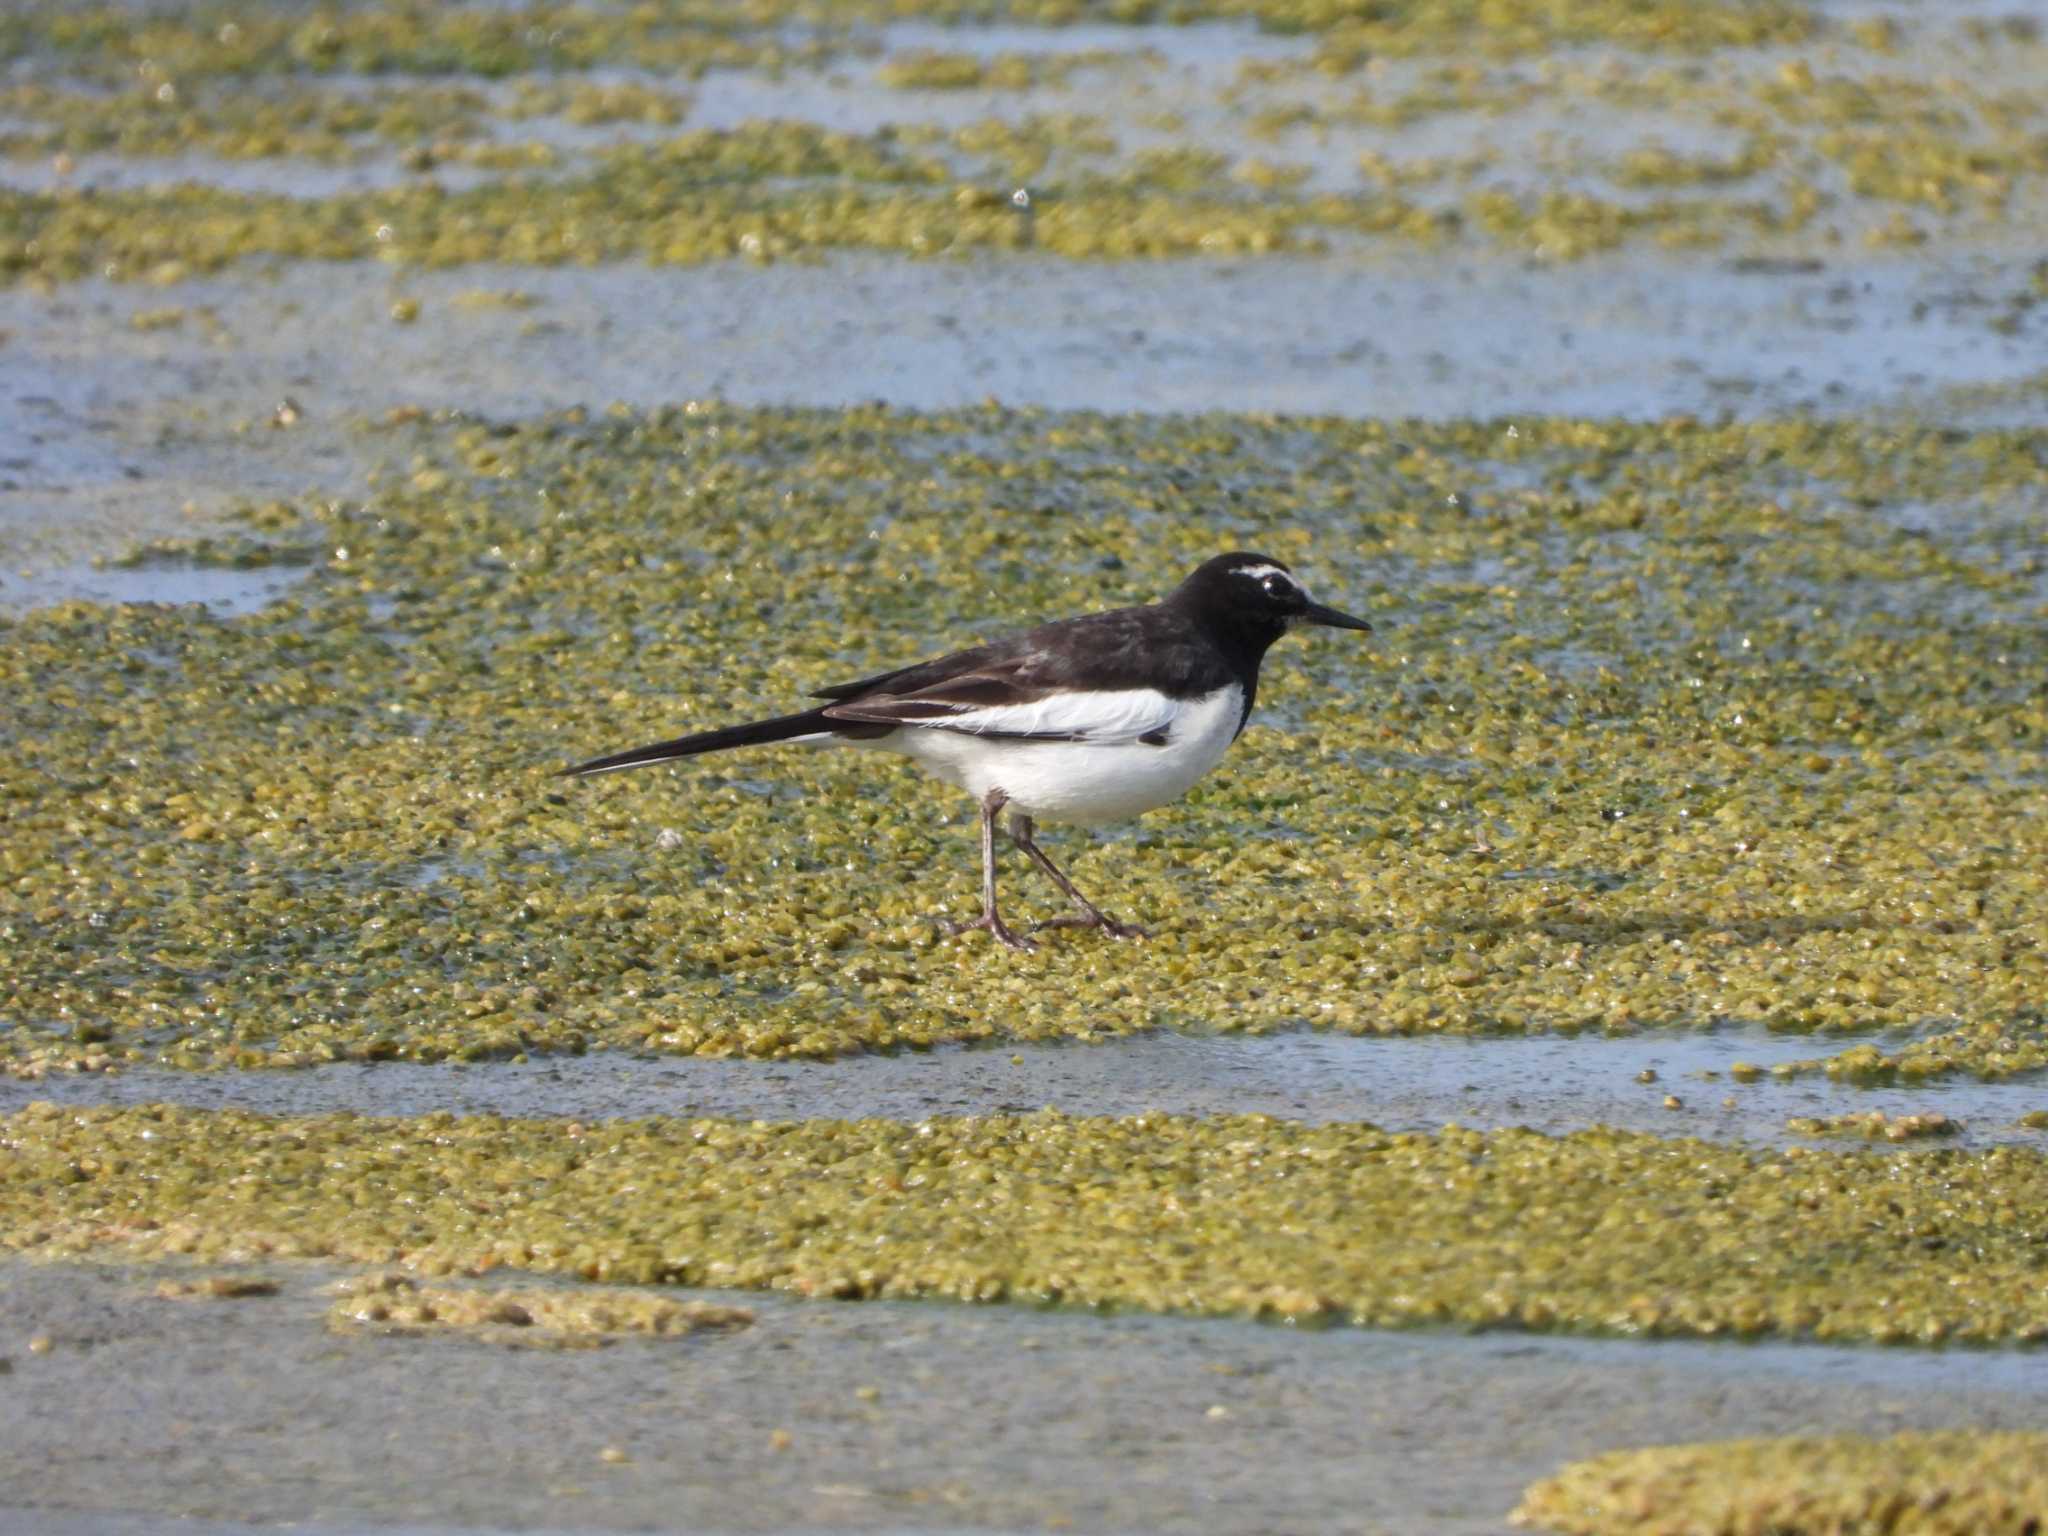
x=1112 y=715
x=1119 y=772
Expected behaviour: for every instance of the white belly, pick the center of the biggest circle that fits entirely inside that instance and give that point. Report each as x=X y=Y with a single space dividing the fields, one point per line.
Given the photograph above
x=1081 y=782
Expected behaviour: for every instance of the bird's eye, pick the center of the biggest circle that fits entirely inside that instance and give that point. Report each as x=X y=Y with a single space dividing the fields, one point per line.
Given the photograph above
x=1272 y=586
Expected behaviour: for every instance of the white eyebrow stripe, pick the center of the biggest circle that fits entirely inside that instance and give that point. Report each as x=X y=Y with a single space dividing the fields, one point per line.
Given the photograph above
x=1261 y=572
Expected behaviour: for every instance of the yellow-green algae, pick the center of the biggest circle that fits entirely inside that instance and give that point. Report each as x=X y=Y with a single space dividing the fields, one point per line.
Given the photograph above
x=309 y=123
x=1949 y=1483
x=787 y=189
x=1666 y=724
x=1876 y=1125
x=703 y=198
x=926 y=69
x=235 y=551
x=1845 y=146
x=322 y=124
x=210 y=40
x=215 y=1288
x=398 y=1305
x=1599 y=1231
x=1988 y=1049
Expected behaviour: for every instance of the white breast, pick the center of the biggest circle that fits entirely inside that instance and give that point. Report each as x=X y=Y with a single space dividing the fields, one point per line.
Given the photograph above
x=1111 y=776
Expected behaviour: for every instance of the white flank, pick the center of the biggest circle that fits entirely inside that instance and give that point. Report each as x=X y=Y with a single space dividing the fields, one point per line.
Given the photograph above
x=1110 y=715
x=1111 y=776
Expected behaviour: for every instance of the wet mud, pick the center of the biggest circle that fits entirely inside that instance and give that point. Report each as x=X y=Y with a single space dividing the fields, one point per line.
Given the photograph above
x=882 y=1417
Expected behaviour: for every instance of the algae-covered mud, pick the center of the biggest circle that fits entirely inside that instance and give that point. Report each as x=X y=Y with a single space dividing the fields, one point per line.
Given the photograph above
x=398 y=1306
x=1934 y=1484
x=1602 y=1232
x=1667 y=724
x=574 y=134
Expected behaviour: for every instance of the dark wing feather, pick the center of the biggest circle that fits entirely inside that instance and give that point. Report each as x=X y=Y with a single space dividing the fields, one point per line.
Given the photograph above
x=918 y=675
x=1124 y=649
x=962 y=695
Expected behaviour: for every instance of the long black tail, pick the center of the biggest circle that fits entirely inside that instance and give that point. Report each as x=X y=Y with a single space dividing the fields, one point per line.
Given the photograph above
x=755 y=733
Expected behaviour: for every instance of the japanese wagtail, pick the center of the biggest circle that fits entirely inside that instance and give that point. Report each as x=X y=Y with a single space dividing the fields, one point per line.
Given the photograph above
x=1087 y=720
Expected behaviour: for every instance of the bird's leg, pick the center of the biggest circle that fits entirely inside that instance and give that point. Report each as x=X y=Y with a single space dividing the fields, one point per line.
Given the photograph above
x=991 y=807
x=1090 y=915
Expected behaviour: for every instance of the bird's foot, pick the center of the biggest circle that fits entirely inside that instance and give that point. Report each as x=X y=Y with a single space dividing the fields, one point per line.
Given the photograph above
x=997 y=928
x=1094 y=919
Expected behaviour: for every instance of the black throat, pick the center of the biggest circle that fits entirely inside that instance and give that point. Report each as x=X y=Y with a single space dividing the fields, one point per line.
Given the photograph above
x=1243 y=642
x=1238 y=640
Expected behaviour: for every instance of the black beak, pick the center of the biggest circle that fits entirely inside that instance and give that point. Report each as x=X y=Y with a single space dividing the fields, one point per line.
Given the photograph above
x=1316 y=613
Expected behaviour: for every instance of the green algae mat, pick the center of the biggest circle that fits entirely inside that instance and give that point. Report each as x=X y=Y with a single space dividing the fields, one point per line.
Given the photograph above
x=1752 y=126
x=1606 y=1232
x=187 y=39
x=1666 y=724
x=1960 y=1484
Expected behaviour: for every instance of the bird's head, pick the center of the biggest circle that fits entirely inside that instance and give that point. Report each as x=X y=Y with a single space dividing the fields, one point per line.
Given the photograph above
x=1250 y=591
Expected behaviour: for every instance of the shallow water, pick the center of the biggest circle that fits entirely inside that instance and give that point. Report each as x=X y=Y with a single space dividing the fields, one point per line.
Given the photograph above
x=223 y=591
x=877 y=1417
x=107 y=431
x=1213 y=47
x=1395 y=337
x=1549 y=1083
x=269 y=178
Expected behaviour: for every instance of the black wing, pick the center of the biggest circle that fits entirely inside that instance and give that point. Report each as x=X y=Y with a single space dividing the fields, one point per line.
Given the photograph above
x=1123 y=648
x=1005 y=701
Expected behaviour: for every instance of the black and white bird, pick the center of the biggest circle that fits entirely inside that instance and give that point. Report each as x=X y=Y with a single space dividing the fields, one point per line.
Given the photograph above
x=1088 y=720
